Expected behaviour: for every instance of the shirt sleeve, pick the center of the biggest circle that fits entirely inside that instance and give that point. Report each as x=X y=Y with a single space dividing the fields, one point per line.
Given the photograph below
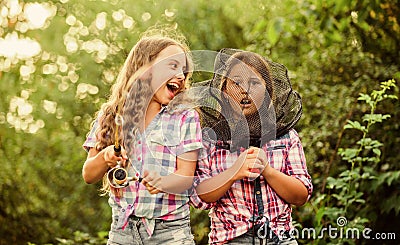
x=296 y=162
x=190 y=132
x=90 y=141
x=203 y=172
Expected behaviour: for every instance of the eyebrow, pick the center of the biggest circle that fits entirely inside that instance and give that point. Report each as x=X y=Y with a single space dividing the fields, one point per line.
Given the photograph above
x=177 y=61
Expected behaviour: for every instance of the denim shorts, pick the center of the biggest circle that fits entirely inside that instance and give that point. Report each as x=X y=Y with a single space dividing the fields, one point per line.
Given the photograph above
x=165 y=232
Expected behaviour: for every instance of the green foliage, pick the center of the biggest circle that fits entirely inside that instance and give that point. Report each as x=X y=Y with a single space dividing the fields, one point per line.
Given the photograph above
x=348 y=190
x=83 y=239
x=336 y=51
x=200 y=225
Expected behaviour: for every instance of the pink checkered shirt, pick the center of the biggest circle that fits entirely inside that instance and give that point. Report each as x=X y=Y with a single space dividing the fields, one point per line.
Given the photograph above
x=166 y=137
x=231 y=215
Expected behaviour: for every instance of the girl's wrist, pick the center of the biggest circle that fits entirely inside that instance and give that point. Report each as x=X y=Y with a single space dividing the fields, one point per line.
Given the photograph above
x=232 y=174
x=104 y=155
x=267 y=172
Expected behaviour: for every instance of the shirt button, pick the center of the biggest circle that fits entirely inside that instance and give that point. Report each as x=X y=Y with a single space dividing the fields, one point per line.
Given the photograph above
x=139 y=158
x=139 y=142
x=258 y=193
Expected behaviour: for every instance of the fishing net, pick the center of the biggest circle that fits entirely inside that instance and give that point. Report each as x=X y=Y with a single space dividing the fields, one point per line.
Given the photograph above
x=236 y=111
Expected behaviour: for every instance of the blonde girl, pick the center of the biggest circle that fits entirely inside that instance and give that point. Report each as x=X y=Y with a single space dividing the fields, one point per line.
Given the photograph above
x=160 y=141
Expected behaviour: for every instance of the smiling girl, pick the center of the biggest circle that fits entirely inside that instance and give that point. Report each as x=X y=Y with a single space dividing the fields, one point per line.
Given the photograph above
x=160 y=142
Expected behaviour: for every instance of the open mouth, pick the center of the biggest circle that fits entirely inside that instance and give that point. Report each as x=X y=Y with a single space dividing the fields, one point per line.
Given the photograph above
x=245 y=101
x=173 y=87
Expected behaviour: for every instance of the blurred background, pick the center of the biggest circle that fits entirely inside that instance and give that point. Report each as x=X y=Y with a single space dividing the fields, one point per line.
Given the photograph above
x=59 y=58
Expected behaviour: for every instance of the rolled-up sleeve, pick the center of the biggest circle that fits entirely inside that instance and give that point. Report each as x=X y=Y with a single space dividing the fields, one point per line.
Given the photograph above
x=203 y=172
x=296 y=163
x=90 y=141
x=190 y=133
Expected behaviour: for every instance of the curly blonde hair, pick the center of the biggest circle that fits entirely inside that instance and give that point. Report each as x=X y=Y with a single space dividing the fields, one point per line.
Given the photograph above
x=146 y=50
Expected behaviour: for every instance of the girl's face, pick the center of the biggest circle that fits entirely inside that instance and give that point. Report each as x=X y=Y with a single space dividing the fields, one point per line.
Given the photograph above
x=168 y=77
x=246 y=88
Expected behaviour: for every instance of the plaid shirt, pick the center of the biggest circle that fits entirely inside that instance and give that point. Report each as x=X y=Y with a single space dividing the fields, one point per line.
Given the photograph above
x=166 y=137
x=231 y=215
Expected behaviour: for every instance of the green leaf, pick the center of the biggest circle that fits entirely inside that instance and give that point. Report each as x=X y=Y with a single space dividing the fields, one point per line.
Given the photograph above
x=340 y=6
x=390 y=96
x=355 y=125
x=365 y=97
x=261 y=25
x=375 y=117
x=377 y=151
x=348 y=153
x=318 y=216
x=273 y=31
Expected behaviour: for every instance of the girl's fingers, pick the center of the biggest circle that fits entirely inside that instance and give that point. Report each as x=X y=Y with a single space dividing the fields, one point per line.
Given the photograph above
x=143 y=182
x=155 y=191
x=151 y=181
x=149 y=188
x=257 y=166
x=256 y=152
x=152 y=189
x=251 y=150
x=252 y=156
x=255 y=162
x=145 y=174
x=253 y=175
x=259 y=159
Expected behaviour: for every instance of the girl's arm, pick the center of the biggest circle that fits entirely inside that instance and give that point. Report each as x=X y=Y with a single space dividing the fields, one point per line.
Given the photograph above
x=98 y=162
x=287 y=187
x=177 y=182
x=246 y=165
x=212 y=189
x=292 y=185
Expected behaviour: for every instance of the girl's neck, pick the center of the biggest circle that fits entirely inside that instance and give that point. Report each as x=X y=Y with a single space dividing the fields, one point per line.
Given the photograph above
x=152 y=110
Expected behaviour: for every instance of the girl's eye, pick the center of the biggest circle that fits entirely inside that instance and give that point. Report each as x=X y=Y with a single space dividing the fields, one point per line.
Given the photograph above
x=255 y=82
x=237 y=82
x=174 y=65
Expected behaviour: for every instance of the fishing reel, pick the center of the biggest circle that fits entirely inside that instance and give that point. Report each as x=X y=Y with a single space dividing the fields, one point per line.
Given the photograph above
x=118 y=176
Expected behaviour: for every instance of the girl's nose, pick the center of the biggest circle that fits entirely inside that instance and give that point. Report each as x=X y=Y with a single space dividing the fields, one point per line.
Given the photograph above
x=245 y=88
x=180 y=75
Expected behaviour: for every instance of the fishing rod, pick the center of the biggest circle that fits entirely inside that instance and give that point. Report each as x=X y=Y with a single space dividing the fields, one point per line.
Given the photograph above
x=118 y=175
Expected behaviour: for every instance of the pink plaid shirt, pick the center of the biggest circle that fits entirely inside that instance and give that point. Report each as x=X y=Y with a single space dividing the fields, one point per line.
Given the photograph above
x=231 y=215
x=166 y=137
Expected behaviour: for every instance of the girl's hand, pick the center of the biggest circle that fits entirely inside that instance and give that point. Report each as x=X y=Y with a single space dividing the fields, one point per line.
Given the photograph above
x=262 y=156
x=251 y=163
x=152 y=180
x=111 y=158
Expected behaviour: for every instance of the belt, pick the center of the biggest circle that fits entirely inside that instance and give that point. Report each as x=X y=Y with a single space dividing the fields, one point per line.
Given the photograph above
x=263 y=229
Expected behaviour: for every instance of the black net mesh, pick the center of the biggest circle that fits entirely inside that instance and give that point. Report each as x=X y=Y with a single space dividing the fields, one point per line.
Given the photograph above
x=227 y=101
